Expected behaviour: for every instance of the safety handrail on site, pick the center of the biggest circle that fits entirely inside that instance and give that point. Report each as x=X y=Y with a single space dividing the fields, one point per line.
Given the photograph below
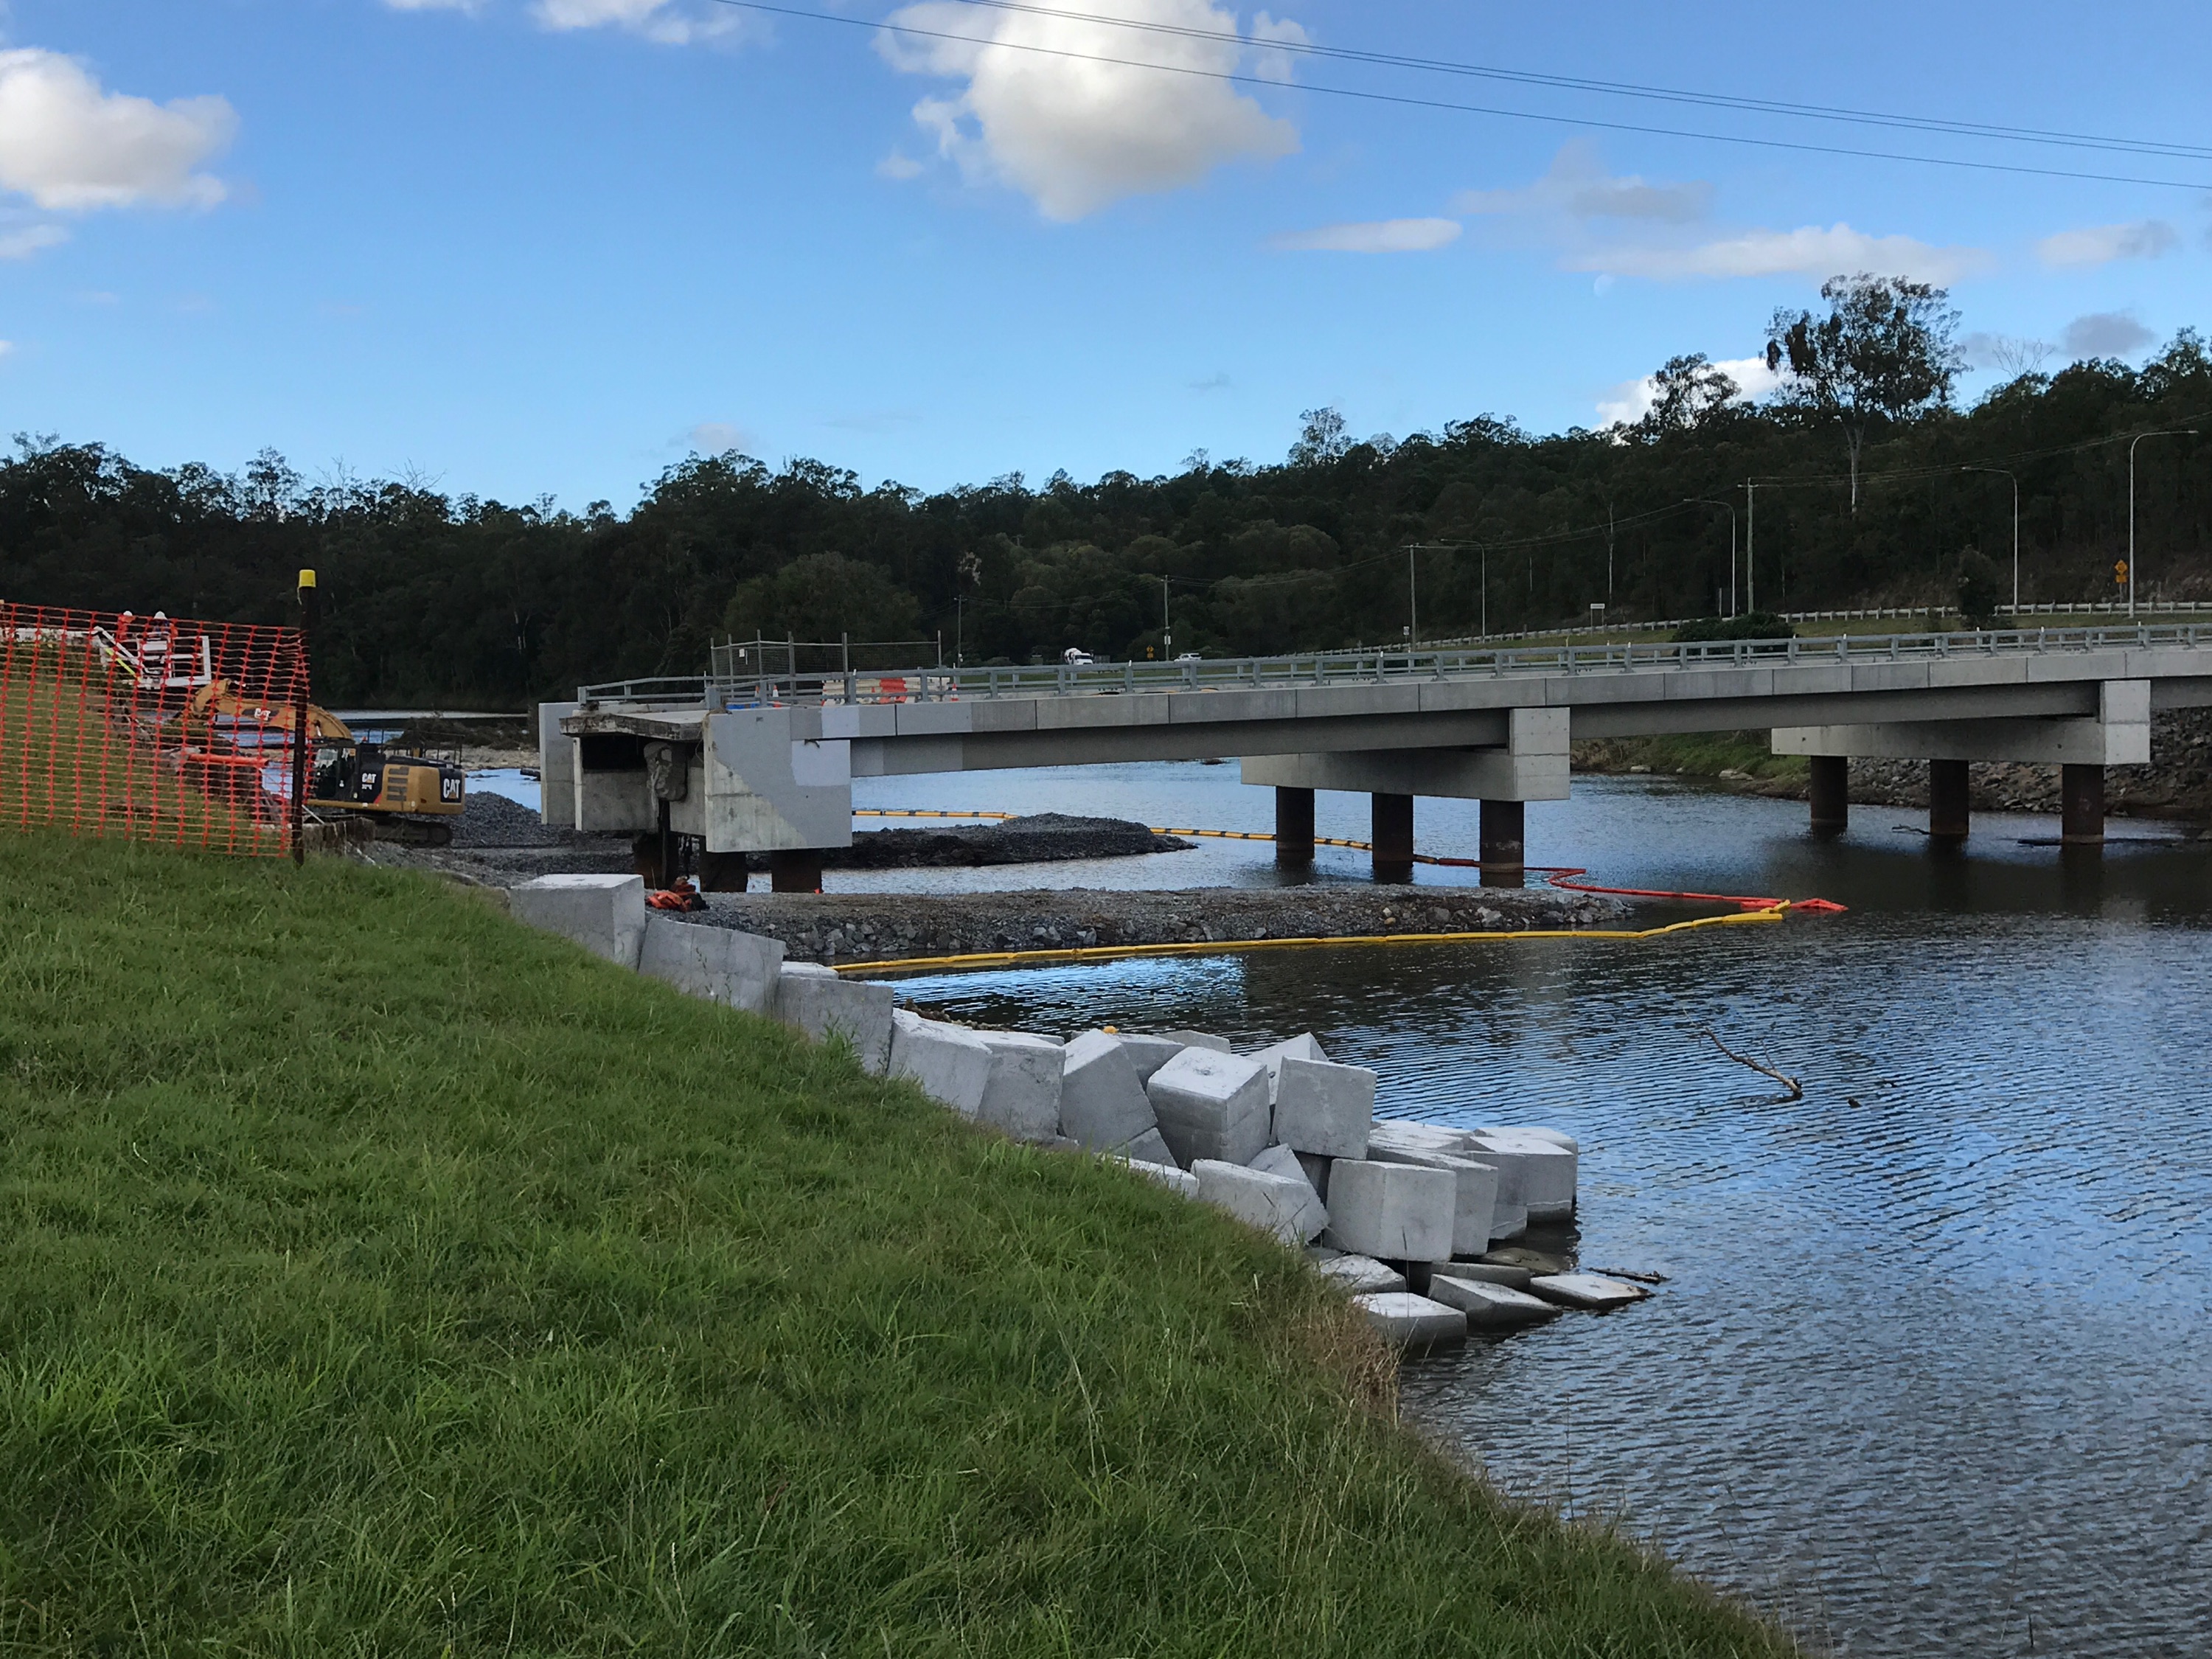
x=1371 y=668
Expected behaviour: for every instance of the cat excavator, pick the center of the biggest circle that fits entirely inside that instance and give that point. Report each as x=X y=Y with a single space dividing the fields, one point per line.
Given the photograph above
x=404 y=796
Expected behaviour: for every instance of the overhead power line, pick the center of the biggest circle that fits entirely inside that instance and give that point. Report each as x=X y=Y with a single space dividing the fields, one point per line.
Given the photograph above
x=1408 y=102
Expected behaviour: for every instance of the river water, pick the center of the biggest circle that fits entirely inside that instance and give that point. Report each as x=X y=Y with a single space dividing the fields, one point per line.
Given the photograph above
x=1932 y=1369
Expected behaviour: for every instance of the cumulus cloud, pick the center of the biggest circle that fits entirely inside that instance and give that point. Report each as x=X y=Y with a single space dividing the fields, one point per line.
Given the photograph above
x=72 y=147
x=1073 y=134
x=1379 y=236
x=1809 y=251
x=2101 y=245
x=1631 y=400
x=1577 y=187
x=2105 y=334
x=663 y=21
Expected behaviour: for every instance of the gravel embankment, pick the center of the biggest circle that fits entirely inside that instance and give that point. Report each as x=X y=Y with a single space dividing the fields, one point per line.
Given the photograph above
x=889 y=927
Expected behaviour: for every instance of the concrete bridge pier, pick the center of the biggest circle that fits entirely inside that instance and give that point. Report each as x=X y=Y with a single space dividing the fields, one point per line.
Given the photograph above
x=797 y=870
x=1831 y=794
x=1294 y=828
x=1948 y=812
x=1502 y=831
x=1392 y=817
x=2082 y=806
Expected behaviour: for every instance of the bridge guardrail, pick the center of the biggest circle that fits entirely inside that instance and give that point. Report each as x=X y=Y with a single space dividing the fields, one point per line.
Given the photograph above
x=1371 y=668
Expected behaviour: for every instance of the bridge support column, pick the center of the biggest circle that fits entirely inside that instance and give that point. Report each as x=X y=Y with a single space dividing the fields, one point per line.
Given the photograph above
x=1503 y=833
x=799 y=870
x=1294 y=827
x=1393 y=835
x=1949 y=814
x=722 y=872
x=2081 y=798
x=1831 y=794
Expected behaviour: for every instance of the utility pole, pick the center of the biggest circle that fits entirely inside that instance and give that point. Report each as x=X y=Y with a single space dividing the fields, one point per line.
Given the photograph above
x=2015 y=532
x=1167 y=625
x=2175 y=431
x=960 y=629
x=1751 y=544
x=1413 y=605
x=1485 y=592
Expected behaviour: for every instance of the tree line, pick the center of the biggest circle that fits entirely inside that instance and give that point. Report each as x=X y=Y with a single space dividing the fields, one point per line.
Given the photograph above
x=1865 y=494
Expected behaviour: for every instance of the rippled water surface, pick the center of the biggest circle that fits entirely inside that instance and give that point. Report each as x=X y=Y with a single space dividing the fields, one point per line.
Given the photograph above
x=1932 y=1372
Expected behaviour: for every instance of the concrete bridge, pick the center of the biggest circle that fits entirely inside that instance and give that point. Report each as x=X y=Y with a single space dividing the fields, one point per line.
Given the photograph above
x=765 y=764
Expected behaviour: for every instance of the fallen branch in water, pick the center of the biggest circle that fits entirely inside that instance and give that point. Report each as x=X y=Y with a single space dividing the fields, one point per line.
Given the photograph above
x=1797 y=1089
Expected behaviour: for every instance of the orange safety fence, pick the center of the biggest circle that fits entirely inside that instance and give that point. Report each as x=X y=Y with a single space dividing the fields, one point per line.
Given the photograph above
x=154 y=729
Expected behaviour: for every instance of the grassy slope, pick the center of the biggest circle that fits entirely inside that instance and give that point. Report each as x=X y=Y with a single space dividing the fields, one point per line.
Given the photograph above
x=378 y=1277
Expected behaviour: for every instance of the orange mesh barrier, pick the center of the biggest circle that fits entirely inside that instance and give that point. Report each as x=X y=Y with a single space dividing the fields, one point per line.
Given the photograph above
x=153 y=729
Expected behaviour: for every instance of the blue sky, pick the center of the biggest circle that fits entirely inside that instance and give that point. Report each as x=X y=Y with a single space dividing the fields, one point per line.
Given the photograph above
x=528 y=247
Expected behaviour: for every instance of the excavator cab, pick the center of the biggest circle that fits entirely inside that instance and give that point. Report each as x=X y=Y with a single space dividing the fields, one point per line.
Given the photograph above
x=405 y=794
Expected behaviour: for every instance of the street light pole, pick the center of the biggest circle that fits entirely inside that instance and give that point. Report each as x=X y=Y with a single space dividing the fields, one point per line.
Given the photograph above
x=2171 y=432
x=2016 y=533
x=1413 y=605
x=1167 y=625
x=1750 y=543
x=1730 y=508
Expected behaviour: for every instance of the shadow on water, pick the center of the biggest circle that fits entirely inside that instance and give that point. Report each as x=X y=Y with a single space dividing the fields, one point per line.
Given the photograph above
x=1934 y=1356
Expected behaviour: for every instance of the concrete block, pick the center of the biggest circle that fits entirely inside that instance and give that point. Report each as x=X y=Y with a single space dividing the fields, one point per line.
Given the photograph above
x=819 y=1002
x=1321 y=1107
x=951 y=1063
x=1180 y=1181
x=1022 y=1097
x=605 y=915
x=1362 y=1276
x=739 y=970
x=1149 y=1054
x=1487 y=1304
x=1304 y=1046
x=1556 y=1137
x=1102 y=1105
x=1421 y=1137
x=1592 y=1290
x=1407 y=1321
x=1475 y=1194
x=1272 y=1203
x=1151 y=1147
x=1394 y=1212
x=1211 y=1105
x=1492 y=1273
x=1317 y=1169
x=1282 y=1161
x=1197 y=1040
x=1541 y=1173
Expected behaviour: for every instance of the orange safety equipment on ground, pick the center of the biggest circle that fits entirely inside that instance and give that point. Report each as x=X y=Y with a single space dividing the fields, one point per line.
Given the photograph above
x=679 y=896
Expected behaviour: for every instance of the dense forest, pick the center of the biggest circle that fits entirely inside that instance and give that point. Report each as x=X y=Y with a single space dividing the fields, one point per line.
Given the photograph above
x=429 y=597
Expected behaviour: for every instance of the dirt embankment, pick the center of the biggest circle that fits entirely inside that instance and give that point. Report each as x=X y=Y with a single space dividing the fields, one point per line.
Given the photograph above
x=889 y=927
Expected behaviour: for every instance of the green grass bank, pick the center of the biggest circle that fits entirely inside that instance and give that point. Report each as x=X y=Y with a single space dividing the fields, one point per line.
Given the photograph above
x=377 y=1277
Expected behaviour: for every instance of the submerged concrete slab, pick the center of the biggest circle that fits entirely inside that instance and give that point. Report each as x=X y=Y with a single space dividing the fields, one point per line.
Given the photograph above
x=1475 y=1193
x=1362 y=1276
x=1557 y=1138
x=1394 y=1212
x=1282 y=1161
x=1210 y=1105
x=1591 y=1290
x=1102 y=1105
x=1272 y=1203
x=1324 y=1107
x=605 y=915
x=951 y=1063
x=739 y=970
x=820 y=1003
x=1407 y=1321
x=1180 y=1181
x=1487 y=1304
x=1021 y=1097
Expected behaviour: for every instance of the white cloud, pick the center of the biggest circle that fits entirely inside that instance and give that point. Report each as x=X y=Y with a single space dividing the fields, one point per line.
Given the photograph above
x=468 y=6
x=1075 y=135
x=2100 y=245
x=1577 y=187
x=662 y=20
x=2105 y=334
x=30 y=240
x=1631 y=400
x=715 y=438
x=898 y=165
x=6 y=347
x=1382 y=236
x=71 y=146
x=1809 y=251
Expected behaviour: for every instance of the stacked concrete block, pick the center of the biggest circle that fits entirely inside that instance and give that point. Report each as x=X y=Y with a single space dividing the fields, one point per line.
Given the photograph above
x=1274 y=1204
x=1393 y=1211
x=605 y=915
x=1197 y=1040
x=1324 y=1107
x=1417 y=1137
x=1021 y=1097
x=1317 y=1168
x=1488 y=1304
x=1210 y=1105
x=1282 y=1161
x=1168 y=1176
x=1545 y=1171
x=1407 y=1321
x=1102 y=1105
x=820 y=1003
x=1149 y=1054
x=1557 y=1138
x=1303 y=1046
x=1362 y=1276
x=1151 y=1147
x=1509 y=1214
x=1474 y=1211
x=739 y=970
x=951 y=1063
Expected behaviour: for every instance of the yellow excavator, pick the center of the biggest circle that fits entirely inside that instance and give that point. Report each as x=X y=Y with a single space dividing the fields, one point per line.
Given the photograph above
x=404 y=796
